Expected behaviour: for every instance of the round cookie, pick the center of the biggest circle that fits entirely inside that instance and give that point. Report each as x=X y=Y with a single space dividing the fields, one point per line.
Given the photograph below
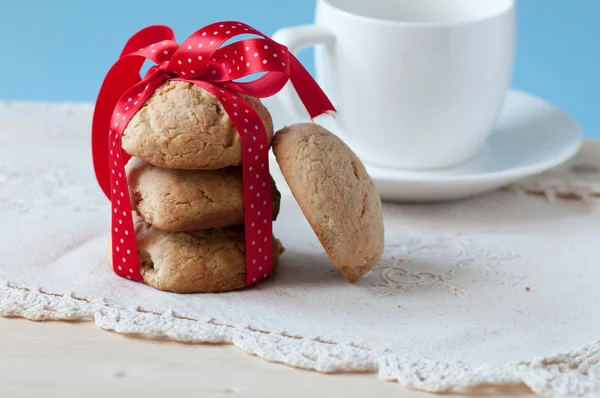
x=183 y=200
x=206 y=261
x=336 y=195
x=183 y=126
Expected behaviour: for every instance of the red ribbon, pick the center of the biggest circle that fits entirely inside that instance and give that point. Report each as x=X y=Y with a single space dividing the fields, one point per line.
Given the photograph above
x=200 y=60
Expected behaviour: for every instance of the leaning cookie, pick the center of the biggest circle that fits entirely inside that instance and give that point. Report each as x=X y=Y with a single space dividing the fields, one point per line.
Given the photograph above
x=183 y=200
x=206 y=261
x=336 y=195
x=183 y=126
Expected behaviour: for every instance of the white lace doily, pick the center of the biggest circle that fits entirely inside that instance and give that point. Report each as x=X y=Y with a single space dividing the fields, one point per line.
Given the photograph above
x=500 y=289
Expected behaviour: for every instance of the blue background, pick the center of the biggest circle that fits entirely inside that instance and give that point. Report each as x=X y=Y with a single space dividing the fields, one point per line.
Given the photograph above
x=60 y=50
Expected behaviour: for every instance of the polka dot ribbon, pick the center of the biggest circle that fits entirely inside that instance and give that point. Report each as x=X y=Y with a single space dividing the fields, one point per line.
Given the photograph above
x=202 y=59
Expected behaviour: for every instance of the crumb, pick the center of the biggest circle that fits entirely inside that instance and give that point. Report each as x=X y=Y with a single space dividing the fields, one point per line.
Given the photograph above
x=528 y=288
x=283 y=293
x=398 y=306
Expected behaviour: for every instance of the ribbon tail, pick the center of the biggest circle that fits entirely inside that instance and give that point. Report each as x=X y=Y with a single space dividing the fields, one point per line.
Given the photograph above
x=309 y=91
x=123 y=75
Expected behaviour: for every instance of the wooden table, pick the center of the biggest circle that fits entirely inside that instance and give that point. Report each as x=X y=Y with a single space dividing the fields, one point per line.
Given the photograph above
x=77 y=359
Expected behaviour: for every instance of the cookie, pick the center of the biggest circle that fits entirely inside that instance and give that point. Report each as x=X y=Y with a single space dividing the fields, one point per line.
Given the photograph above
x=336 y=195
x=182 y=200
x=183 y=126
x=206 y=261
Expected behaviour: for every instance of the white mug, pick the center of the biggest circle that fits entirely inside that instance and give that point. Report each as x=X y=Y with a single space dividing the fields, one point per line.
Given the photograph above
x=418 y=84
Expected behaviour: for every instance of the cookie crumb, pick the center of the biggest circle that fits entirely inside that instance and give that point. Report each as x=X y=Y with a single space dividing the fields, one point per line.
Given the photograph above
x=398 y=306
x=527 y=288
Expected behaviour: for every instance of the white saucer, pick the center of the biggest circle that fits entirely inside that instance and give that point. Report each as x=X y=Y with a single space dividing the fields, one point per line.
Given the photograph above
x=530 y=137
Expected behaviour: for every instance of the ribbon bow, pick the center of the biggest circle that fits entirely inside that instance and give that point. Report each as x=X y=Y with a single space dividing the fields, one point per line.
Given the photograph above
x=202 y=60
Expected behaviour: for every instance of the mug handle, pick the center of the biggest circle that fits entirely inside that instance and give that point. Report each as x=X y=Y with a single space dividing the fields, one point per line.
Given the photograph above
x=295 y=39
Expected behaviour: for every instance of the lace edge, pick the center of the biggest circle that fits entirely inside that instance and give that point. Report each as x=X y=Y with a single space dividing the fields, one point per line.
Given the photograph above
x=575 y=373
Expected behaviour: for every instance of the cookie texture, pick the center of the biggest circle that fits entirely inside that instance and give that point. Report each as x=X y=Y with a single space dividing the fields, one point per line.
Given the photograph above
x=183 y=200
x=336 y=195
x=183 y=126
x=205 y=261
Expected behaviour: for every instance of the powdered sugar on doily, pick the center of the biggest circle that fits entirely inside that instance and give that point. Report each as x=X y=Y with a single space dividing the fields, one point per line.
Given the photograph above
x=500 y=289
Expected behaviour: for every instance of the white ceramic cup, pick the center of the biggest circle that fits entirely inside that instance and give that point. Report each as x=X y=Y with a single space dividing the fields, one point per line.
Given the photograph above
x=418 y=84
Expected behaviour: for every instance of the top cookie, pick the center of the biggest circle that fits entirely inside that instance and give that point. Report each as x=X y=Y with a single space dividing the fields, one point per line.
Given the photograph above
x=336 y=195
x=183 y=126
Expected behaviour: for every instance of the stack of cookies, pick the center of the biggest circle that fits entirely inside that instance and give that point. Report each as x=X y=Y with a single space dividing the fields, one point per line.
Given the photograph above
x=186 y=189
